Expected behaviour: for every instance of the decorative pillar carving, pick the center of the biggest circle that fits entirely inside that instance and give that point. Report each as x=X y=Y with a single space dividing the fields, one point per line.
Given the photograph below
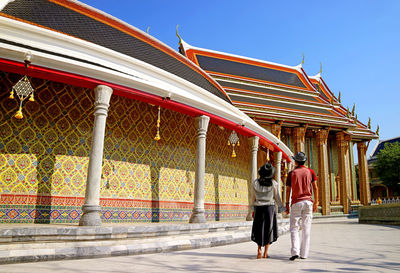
x=91 y=207
x=363 y=177
x=276 y=129
x=198 y=208
x=343 y=143
x=253 y=149
x=299 y=134
x=323 y=170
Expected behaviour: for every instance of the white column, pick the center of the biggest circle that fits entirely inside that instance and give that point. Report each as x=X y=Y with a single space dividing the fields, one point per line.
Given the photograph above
x=91 y=208
x=253 y=149
x=278 y=162
x=198 y=208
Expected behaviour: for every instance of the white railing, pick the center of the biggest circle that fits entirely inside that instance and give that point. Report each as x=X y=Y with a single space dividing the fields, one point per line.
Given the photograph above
x=385 y=201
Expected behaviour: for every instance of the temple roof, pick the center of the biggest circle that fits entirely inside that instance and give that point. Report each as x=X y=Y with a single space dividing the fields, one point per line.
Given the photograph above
x=109 y=32
x=73 y=43
x=269 y=91
x=379 y=146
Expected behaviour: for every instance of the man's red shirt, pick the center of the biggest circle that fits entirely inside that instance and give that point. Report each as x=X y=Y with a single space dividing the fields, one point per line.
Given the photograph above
x=300 y=180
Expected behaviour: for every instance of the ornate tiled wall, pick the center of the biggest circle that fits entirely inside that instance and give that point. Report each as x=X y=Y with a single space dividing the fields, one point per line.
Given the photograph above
x=44 y=160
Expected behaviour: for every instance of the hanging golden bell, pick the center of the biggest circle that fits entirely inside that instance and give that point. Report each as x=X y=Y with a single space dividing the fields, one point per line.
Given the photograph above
x=11 y=94
x=233 y=153
x=238 y=143
x=229 y=143
x=19 y=114
x=157 y=137
x=31 y=98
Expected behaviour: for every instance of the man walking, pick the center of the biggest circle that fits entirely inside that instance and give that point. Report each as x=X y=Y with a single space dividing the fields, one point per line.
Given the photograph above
x=299 y=182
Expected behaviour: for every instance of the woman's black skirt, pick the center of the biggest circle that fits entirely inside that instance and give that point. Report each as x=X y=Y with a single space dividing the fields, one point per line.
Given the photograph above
x=265 y=227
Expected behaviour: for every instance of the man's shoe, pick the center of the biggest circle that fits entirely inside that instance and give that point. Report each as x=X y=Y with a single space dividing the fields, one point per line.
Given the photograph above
x=293 y=257
x=303 y=258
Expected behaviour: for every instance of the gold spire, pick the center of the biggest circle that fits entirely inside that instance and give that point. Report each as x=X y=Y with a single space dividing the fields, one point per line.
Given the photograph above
x=369 y=123
x=148 y=28
x=339 y=98
x=320 y=70
x=377 y=130
x=302 y=61
x=353 y=110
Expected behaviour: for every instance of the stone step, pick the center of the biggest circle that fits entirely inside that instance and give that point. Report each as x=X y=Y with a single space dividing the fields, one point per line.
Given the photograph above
x=56 y=243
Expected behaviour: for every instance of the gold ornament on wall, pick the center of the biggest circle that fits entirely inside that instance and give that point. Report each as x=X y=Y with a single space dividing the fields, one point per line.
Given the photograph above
x=157 y=137
x=22 y=89
x=234 y=141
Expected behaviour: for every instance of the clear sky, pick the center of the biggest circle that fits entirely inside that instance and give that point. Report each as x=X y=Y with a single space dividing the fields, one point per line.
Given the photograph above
x=357 y=41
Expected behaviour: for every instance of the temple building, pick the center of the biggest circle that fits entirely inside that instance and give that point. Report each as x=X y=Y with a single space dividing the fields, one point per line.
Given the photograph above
x=302 y=112
x=101 y=122
x=378 y=188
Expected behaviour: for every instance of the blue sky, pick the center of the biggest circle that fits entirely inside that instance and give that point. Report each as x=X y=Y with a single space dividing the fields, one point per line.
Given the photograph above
x=357 y=41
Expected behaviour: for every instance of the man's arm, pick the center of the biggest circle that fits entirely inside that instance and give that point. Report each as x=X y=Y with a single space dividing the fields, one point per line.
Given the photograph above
x=288 y=189
x=315 y=191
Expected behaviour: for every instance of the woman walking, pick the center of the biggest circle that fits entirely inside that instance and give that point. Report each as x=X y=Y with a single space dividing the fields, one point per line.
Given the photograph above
x=265 y=227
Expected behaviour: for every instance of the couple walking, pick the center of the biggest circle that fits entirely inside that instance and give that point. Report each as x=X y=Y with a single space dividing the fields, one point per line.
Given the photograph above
x=301 y=184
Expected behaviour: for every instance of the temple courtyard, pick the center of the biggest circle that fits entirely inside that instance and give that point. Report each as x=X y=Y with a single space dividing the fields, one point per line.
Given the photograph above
x=340 y=245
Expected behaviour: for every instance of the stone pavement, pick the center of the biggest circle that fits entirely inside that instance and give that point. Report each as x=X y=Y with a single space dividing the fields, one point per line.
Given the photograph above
x=336 y=246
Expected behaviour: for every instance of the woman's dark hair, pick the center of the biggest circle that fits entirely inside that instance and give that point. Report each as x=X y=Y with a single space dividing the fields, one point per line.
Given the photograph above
x=267 y=182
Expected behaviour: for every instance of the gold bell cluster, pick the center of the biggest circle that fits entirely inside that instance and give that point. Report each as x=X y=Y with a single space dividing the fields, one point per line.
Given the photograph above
x=157 y=137
x=22 y=89
x=234 y=141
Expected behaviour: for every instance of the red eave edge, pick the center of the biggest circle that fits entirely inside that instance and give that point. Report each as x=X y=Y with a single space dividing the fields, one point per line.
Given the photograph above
x=87 y=82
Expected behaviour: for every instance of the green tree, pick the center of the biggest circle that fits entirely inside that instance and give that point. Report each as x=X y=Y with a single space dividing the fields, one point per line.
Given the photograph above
x=388 y=166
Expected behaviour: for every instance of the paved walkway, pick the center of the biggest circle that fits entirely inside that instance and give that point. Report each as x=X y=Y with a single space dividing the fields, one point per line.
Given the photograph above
x=339 y=246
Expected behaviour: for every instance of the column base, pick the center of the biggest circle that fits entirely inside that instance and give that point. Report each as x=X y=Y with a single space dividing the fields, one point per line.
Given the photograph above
x=90 y=216
x=197 y=216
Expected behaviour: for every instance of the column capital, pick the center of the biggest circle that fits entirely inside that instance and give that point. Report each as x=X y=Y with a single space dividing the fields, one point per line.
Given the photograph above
x=276 y=129
x=322 y=136
x=202 y=123
x=253 y=141
x=103 y=94
x=343 y=139
x=362 y=146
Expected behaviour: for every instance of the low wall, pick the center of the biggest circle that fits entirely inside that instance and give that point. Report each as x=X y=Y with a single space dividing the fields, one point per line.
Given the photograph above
x=380 y=214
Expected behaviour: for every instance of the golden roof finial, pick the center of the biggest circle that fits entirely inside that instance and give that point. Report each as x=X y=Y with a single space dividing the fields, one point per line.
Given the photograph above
x=148 y=28
x=302 y=61
x=320 y=70
x=340 y=97
x=377 y=130
x=353 y=110
x=369 y=123
x=177 y=34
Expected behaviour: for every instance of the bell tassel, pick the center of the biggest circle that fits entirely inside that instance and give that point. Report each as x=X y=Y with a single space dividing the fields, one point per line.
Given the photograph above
x=157 y=137
x=233 y=150
x=31 y=98
x=19 y=114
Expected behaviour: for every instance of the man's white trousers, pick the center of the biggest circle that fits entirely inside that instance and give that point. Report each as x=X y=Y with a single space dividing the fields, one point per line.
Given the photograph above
x=301 y=214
